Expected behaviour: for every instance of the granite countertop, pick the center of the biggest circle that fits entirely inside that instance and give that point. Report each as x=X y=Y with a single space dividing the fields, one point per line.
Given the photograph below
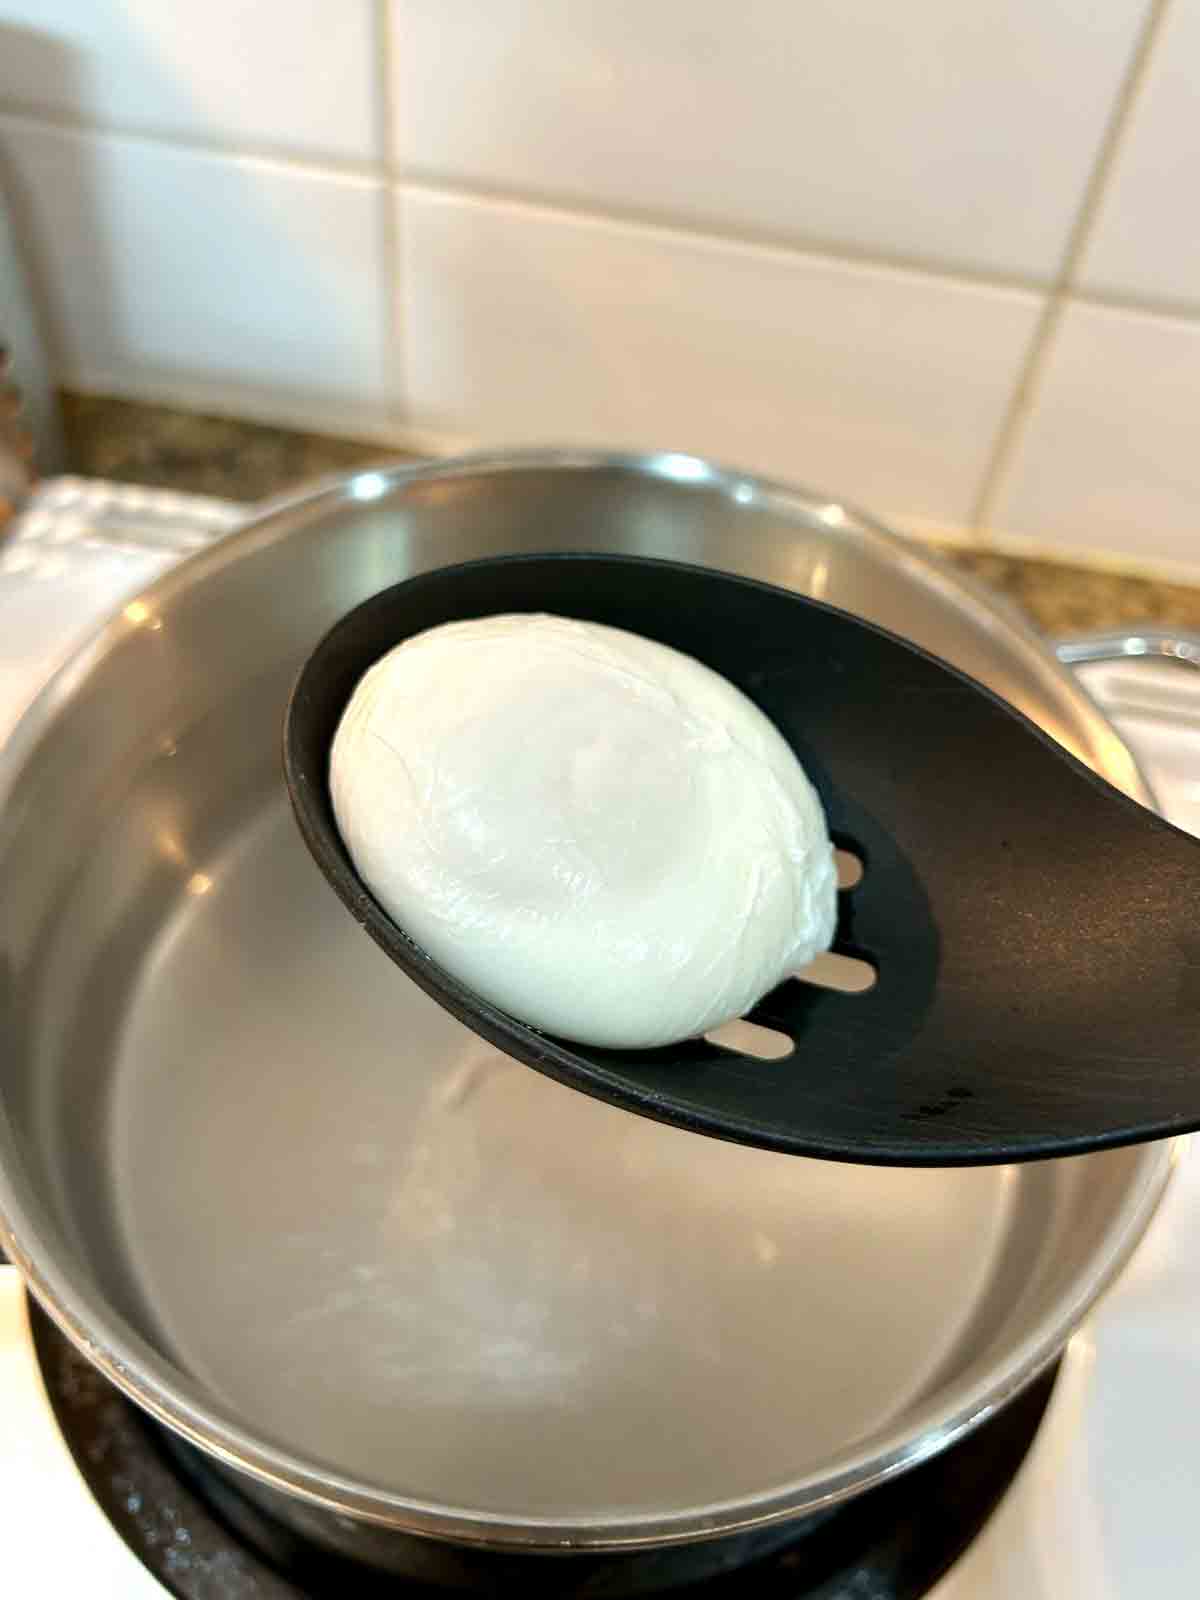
x=129 y=442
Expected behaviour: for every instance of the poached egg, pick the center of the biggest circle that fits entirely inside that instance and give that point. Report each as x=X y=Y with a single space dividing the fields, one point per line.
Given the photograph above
x=597 y=833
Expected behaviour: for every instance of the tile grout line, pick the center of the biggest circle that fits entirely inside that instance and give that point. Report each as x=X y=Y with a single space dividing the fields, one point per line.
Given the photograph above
x=1017 y=416
x=395 y=177
x=1167 y=310
x=709 y=231
x=385 y=129
x=313 y=163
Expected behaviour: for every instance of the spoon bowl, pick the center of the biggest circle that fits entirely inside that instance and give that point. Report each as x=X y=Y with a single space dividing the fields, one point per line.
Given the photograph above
x=1030 y=928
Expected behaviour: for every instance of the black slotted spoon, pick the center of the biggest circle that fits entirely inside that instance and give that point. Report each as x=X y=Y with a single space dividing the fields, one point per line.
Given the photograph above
x=1034 y=931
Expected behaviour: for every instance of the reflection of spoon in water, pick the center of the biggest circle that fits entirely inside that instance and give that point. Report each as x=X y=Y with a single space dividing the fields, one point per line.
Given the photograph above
x=465 y=1080
x=1033 y=931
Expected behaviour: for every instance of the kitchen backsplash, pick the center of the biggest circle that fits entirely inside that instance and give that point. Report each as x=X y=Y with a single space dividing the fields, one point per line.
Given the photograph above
x=940 y=259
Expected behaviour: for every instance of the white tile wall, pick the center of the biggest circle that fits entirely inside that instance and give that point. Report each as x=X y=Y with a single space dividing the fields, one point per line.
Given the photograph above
x=297 y=74
x=523 y=322
x=1111 y=457
x=916 y=131
x=1147 y=242
x=815 y=239
x=164 y=264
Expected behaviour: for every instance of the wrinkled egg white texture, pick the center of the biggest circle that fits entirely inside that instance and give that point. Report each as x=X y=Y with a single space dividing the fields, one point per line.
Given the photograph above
x=596 y=833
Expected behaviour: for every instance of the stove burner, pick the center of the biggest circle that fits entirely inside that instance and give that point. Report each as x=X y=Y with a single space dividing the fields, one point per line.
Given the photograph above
x=203 y=1541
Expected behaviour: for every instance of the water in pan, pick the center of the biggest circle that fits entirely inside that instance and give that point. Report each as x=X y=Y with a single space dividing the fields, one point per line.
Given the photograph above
x=397 y=1252
x=891 y=1543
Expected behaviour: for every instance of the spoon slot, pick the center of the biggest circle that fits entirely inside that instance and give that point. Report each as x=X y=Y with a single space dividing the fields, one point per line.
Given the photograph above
x=846 y=974
x=849 y=869
x=749 y=1039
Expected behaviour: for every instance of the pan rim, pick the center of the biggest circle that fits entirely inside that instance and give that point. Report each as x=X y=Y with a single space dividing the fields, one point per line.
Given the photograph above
x=182 y=1404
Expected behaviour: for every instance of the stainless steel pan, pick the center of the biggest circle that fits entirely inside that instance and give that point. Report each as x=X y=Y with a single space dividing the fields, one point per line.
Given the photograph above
x=400 y=1284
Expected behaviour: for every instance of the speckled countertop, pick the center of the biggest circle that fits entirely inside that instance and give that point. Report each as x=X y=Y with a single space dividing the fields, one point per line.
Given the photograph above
x=133 y=443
